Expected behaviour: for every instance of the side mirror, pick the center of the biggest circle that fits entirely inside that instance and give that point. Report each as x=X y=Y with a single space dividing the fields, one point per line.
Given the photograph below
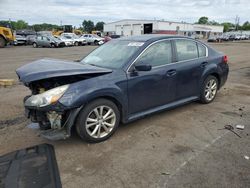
x=143 y=67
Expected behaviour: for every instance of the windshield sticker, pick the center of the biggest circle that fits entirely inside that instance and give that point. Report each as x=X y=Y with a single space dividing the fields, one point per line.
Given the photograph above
x=135 y=43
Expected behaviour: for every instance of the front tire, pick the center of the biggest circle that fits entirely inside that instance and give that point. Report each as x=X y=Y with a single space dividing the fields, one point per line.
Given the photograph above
x=209 y=89
x=35 y=45
x=98 y=121
x=96 y=42
x=2 y=42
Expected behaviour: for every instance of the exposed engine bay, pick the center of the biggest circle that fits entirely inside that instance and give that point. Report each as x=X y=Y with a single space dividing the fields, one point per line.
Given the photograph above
x=41 y=86
x=53 y=119
x=48 y=80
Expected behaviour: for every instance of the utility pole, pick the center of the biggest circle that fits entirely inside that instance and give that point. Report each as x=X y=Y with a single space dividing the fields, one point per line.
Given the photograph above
x=237 y=21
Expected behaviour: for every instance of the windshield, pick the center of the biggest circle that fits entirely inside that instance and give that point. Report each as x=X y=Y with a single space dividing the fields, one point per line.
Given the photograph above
x=53 y=38
x=96 y=36
x=67 y=37
x=112 y=54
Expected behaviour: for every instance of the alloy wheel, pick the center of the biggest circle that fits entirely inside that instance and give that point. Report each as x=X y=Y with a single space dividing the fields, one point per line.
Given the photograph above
x=210 y=89
x=100 y=121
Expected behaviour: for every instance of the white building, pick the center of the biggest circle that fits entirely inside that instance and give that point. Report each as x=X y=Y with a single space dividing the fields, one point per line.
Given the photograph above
x=130 y=27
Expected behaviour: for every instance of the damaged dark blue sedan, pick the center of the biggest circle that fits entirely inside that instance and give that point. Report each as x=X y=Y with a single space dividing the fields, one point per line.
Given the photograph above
x=123 y=80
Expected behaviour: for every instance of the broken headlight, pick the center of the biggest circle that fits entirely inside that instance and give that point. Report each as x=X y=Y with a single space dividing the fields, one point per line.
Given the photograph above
x=48 y=97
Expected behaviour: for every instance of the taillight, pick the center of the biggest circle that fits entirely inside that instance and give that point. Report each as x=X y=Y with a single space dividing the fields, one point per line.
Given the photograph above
x=225 y=59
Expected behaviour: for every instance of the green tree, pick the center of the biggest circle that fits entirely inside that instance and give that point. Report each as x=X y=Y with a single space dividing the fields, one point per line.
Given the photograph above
x=213 y=23
x=203 y=20
x=20 y=24
x=228 y=26
x=99 y=26
x=88 y=25
x=45 y=27
x=246 y=26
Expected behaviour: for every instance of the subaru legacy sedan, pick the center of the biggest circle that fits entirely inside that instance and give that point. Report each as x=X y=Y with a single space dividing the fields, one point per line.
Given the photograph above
x=121 y=81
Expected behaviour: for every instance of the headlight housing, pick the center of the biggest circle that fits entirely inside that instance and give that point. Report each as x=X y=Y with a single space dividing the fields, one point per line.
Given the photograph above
x=49 y=97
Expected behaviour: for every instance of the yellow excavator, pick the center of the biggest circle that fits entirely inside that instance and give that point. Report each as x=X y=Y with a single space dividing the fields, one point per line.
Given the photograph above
x=66 y=29
x=6 y=36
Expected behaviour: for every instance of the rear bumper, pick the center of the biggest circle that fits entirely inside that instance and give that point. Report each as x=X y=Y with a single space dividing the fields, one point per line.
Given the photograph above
x=224 y=75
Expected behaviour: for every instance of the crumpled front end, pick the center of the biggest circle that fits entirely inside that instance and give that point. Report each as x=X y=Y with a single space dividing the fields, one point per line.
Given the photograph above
x=45 y=109
x=48 y=80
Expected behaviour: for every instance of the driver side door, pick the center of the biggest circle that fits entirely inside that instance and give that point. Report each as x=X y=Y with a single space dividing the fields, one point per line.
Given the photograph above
x=156 y=87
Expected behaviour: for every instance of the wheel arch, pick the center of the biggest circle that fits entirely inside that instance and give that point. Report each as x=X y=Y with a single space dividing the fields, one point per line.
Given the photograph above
x=2 y=36
x=116 y=101
x=212 y=70
x=216 y=75
x=107 y=97
x=5 y=40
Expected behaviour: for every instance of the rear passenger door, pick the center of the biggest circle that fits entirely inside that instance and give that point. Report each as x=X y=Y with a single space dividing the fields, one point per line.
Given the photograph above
x=43 y=41
x=191 y=60
x=39 y=40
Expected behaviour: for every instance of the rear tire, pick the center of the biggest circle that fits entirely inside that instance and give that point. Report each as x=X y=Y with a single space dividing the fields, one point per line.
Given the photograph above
x=2 y=42
x=35 y=45
x=76 y=44
x=98 y=121
x=209 y=89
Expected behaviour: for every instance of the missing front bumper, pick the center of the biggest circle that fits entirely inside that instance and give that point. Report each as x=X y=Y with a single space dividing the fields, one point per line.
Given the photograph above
x=59 y=128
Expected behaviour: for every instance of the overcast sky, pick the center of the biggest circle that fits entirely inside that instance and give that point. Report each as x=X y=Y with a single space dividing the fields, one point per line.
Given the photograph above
x=75 y=11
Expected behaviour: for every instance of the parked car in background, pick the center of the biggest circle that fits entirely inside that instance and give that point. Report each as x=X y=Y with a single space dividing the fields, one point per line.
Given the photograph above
x=25 y=32
x=115 y=36
x=212 y=39
x=232 y=37
x=67 y=40
x=237 y=37
x=31 y=39
x=107 y=38
x=93 y=39
x=224 y=37
x=78 y=41
x=20 y=40
x=243 y=37
x=48 y=41
x=121 y=81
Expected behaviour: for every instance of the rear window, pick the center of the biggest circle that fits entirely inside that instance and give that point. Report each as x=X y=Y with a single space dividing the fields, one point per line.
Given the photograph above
x=186 y=49
x=202 y=50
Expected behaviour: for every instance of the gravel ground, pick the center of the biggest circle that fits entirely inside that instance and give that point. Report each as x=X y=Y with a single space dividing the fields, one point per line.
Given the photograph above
x=182 y=147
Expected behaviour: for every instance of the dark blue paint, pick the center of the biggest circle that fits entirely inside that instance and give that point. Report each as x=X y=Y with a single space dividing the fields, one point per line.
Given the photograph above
x=136 y=93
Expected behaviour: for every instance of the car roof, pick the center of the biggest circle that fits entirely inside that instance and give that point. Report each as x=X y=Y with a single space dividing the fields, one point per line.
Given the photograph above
x=151 y=37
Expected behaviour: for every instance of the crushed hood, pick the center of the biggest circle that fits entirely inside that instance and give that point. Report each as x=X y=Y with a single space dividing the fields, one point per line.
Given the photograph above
x=49 y=68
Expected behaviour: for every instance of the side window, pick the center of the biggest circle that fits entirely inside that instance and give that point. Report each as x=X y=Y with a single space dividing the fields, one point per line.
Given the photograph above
x=157 y=54
x=39 y=38
x=186 y=49
x=85 y=36
x=202 y=50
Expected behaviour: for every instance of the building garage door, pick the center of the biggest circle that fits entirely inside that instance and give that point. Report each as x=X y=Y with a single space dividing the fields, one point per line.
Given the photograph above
x=137 y=29
x=126 y=30
x=118 y=30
